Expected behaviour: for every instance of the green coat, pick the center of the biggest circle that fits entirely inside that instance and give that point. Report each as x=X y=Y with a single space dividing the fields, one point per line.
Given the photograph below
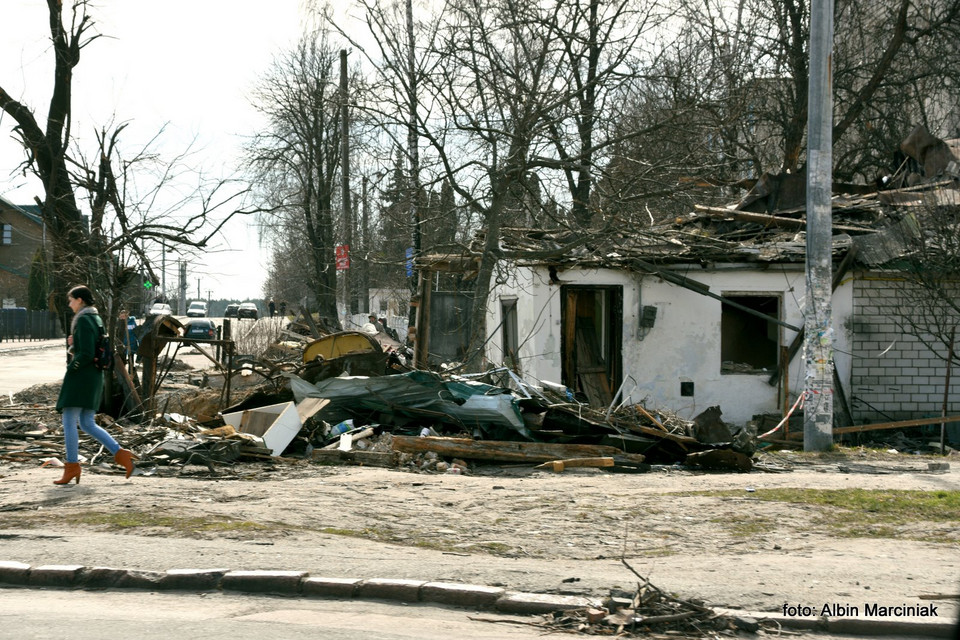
x=83 y=382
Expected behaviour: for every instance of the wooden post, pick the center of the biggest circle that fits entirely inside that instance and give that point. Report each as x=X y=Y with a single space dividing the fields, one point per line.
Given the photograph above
x=785 y=358
x=421 y=350
x=946 y=394
x=228 y=347
x=131 y=399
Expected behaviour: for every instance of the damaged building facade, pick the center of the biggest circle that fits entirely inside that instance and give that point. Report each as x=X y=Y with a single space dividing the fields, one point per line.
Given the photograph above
x=707 y=309
x=602 y=327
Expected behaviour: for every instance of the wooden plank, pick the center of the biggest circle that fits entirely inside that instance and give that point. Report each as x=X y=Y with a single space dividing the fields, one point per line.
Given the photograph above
x=364 y=458
x=683 y=441
x=308 y=317
x=506 y=451
x=309 y=406
x=649 y=416
x=896 y=425
x=903 y=424
x=559 y=465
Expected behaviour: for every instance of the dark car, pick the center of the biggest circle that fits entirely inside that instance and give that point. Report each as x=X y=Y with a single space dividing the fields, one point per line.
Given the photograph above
x=232 y=309
x=200 y=329
x=248 y=310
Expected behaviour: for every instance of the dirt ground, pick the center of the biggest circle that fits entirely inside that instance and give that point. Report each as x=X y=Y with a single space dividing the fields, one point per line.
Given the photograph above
x=506 y=526
x=582 y=532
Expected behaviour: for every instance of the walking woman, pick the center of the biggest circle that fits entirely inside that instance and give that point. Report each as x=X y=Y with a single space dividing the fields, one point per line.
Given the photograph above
x=83 y=387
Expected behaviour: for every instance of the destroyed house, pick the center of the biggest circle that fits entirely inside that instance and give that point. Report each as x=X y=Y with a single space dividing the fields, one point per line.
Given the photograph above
x=707 y=309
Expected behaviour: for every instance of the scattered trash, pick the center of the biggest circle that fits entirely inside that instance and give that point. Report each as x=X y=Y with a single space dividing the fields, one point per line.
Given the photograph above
x=322 y=410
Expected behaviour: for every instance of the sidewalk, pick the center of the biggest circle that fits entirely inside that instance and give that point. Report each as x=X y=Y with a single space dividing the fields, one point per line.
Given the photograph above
x=301 y=584
x=12 y=346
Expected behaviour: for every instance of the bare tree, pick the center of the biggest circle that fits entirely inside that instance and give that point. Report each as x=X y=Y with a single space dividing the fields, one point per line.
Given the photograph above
x=518 y=115
x=298 y=156
x=133 y=212
x=47 y=145
x=745 y=68
x=123 y=220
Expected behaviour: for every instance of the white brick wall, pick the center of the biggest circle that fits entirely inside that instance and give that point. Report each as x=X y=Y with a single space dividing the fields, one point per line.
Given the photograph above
x=906 y=381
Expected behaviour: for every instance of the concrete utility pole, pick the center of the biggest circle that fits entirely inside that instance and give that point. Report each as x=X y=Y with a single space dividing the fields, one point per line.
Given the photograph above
x=818 y=326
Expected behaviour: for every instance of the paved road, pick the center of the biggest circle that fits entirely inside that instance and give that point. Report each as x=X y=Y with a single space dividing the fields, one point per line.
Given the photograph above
x=24 y=364
x=82 y=615
x=29 y=614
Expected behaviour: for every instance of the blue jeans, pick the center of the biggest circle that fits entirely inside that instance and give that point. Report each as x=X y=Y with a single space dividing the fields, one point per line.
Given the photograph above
x=72 y=416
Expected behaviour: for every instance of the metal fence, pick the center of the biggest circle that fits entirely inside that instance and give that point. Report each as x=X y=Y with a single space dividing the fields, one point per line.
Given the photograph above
x=18 y=324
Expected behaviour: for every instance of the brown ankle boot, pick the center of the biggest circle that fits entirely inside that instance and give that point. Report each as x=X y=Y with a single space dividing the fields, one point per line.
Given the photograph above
x=125 y=458
x=71 y=470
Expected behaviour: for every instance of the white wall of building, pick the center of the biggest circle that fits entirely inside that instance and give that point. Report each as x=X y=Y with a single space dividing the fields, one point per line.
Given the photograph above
x=684 y=343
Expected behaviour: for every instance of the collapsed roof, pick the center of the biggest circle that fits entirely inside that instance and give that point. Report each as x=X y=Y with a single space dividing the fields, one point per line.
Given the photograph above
x=882 y=222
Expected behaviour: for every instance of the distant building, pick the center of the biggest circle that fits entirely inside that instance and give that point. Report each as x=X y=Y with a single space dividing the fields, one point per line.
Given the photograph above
x=392 y=302
x=21 y=234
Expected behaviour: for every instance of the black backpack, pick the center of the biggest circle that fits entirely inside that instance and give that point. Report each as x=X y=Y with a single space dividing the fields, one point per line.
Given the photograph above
x=103 y=351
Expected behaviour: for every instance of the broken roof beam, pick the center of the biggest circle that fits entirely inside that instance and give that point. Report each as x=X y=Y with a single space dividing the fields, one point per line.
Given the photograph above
x=455 y=263
x=770 y=221
x=759 y=218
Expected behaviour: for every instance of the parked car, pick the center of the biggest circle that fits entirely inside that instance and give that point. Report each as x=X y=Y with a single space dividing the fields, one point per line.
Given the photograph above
x=248 y=310
x=231 y=311
x=197 y=309
x=200 y=329
x=160 y=309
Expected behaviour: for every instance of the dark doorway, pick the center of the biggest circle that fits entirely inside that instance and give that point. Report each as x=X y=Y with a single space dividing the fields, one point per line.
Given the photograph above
x=591 y=327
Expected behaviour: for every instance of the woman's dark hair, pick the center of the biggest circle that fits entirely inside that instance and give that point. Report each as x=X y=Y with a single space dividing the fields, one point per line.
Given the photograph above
x=81 y=292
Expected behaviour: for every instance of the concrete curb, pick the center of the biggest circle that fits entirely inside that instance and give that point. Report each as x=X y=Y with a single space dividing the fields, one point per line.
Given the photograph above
x=470 y=596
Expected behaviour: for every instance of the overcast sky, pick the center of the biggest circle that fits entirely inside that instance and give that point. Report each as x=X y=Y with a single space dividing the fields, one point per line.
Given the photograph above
x=186 y=64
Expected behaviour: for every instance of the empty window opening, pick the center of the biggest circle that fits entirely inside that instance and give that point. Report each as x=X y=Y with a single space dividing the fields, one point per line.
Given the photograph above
x=748 y=342
x=508 y=310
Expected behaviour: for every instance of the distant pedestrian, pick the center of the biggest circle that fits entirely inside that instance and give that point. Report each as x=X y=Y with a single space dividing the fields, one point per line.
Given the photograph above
x=389 y=331
x=127 y=327
x=82 y=388
x=283 y=308
x=372 y=319
x=273 y=307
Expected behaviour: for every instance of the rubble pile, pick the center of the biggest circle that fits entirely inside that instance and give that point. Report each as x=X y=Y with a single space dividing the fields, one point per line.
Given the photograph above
x=649 y=612
x=414 y=420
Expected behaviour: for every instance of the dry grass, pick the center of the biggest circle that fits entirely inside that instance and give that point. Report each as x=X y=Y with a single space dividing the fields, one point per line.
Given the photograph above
x=254 y=337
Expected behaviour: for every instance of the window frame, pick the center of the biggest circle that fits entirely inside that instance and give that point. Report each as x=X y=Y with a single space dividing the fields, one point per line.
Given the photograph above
x=748 y=356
